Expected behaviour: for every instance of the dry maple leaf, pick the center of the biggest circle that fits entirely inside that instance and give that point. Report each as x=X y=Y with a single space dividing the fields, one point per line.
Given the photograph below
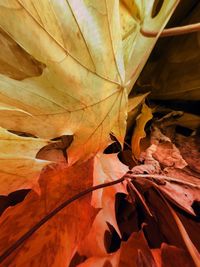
x=55 y=243
x=80 y=59
x=164 y=159
x=19 y=169
x=85 y=60
x=106 y=168
x=80 y=90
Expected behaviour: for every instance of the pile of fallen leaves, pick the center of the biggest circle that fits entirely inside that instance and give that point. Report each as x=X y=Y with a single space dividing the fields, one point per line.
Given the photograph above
x=99 y=164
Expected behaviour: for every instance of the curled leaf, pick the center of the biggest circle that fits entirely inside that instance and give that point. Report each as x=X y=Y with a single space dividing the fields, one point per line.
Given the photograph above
x=139 y=131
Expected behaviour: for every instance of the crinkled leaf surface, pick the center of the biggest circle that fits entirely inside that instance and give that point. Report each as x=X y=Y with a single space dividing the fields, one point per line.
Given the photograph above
x=189 y=148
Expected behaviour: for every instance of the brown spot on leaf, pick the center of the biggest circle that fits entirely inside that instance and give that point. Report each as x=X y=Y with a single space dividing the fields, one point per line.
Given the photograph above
x=15 y=62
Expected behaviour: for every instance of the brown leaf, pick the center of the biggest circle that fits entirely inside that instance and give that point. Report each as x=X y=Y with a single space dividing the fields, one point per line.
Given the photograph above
x=182 y=195
x=189 y=149
x=15 y=62
x=171 y=256
x=136 y=253
x=106 y=261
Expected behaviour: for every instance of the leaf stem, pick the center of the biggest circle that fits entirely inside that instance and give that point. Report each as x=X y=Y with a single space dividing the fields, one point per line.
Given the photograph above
x=129 y=175
x=13 y=247
x=163 y=177
x=173 y=31
x=132 y=188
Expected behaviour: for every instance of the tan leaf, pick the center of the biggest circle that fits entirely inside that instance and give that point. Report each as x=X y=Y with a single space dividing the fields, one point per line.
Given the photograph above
x=19 y=169
x=81 y=89
x=134 y=106
x=16 y=62
x=137 y=20
x=79 y=92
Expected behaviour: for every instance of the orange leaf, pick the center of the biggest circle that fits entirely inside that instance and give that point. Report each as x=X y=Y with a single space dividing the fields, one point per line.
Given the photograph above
x=55 y=243
x=136 y=253
x=106 y=168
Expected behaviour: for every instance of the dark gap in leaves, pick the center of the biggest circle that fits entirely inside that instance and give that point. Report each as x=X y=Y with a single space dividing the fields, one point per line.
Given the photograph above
x=183 y=10
x=127 y=216
x=158 y=115
x=113 y=138
x=153 y=234
x=183 y=130
x=115 y=147
x=137 y=202
x=22 y=134
x=151 y=230
x=126 y=158
x=77 y=259
x=111 y=239
x=147 y=127
x=129 y=131
x=164 y=222
x=157 y=5
x=12 y=199
x=131 y=217
x=196 y=208
x=190 y=222
x=186 y=106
